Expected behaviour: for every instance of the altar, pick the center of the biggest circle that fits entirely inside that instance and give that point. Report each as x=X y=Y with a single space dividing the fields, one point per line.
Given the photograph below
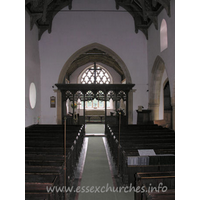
x=95 y=112
x=95 y=115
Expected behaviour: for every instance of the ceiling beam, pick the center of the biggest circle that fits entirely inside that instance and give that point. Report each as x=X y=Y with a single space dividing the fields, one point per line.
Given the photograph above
x=144 y=12
x=166 y=5
x=42 y=13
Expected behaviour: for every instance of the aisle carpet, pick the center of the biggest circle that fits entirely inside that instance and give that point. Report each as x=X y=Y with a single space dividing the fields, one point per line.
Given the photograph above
x=97 y=181
x=96 y=171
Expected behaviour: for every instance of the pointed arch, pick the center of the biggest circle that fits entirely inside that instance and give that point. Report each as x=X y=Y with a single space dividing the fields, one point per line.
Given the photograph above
x=155 y=86
x=79 y=52
x=95 y=46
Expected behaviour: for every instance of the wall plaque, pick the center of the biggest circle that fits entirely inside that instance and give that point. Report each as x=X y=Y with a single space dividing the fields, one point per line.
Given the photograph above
x=52 y=102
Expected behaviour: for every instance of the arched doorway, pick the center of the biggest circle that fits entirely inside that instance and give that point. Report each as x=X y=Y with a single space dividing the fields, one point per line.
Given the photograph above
x=155 y=86
x=155 y=91
x=91 y=54
x=167 y=104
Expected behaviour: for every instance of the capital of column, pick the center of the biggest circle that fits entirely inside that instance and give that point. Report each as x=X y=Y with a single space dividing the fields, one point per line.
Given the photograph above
x=152 y=105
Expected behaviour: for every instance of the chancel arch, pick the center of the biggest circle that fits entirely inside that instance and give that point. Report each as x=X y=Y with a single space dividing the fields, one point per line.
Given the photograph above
x=97 y=59
x=91 y=53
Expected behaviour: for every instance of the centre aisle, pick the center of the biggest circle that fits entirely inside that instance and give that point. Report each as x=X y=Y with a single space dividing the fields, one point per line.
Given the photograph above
x=97 y=182
x=96 y=172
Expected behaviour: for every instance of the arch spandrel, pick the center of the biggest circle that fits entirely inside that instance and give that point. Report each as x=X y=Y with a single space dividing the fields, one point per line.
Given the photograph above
x=89 y=47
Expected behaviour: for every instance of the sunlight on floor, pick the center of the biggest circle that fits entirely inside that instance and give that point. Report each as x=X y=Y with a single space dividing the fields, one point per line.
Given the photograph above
x=94 y=129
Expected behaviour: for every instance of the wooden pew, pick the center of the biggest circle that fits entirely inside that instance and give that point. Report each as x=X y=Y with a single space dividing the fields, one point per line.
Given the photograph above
x=36 y=185
x=50 y=157
x=157 y=166
x=53 y=148
x=151 y=181
x=50 y=139
x=44 y=154
x=135 y=137
x=168 y=195
x=130 y=147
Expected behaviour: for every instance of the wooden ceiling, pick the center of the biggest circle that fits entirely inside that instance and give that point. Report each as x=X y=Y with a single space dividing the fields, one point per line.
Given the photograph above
x=144 y=12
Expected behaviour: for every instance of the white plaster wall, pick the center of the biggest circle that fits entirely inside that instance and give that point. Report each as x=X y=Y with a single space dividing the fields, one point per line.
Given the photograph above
x=74 y=30
x=168 y=55
x=32 y=71
x=140 y=98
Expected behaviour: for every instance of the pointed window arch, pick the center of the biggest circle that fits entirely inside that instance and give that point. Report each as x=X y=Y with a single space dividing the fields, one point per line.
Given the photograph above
x=163 y=36
x=95 y=75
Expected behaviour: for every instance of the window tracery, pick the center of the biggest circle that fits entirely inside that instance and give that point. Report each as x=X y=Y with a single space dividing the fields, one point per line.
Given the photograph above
x=96 y=75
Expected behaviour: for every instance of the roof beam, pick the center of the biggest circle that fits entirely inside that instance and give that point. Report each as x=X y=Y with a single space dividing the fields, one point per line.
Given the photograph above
x=144 y=12
x=42 y=13
x=165 y=4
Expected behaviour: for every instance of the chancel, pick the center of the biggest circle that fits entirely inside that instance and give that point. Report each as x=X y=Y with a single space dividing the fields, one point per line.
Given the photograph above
x=100 y=97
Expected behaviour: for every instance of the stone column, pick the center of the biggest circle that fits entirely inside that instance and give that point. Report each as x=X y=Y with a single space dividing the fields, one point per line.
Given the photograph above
x=155 y=111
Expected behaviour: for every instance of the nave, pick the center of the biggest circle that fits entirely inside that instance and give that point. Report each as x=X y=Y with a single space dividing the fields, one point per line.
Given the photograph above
x=93 y=161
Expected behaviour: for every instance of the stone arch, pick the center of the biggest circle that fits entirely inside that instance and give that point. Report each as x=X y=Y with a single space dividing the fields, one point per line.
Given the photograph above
x=162 y=89
x=155 y=86
x=100 y=47
x=75 y=56
x=165 y=82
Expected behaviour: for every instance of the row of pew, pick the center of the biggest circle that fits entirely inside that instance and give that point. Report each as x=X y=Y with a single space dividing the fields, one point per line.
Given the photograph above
x=156 y=165
x=45 y=161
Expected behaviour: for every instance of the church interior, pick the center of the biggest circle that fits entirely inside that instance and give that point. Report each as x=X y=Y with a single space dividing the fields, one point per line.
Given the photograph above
x=99 y=98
